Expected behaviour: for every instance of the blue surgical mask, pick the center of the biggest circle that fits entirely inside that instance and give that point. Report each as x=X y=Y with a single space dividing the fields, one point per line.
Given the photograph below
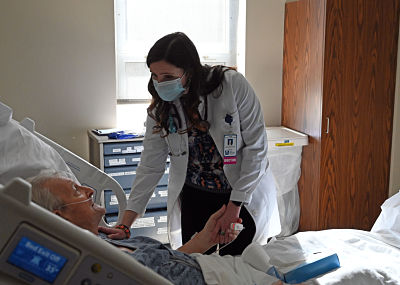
x=169 y=90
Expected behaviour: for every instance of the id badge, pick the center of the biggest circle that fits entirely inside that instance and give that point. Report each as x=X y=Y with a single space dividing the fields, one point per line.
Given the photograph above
x=230 y=149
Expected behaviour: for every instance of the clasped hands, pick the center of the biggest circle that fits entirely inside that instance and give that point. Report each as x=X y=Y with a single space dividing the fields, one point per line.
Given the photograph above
x=216 y=231
x=220 y=224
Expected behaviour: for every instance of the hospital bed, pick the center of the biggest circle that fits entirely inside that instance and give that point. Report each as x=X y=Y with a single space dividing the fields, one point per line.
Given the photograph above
x=38 y=247
x=85 y=173
x=76 y=256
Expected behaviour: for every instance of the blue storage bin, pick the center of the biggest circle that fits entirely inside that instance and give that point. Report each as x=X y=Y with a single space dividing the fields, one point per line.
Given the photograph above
x=164 y=179
x=158 y=199
x=123 y=175
x=111 y=202
x=122 y=159
x=123 y=147
x=153 y=224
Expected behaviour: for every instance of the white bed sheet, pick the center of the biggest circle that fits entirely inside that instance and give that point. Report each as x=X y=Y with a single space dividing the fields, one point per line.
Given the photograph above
x=365 y=258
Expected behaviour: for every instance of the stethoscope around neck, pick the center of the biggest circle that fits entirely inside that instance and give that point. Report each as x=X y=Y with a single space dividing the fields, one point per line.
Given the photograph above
x=172 y=117
x=173 y=129
x=179 y=151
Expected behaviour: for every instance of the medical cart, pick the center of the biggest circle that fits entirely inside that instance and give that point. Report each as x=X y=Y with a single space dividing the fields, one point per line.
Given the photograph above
x=119 y=159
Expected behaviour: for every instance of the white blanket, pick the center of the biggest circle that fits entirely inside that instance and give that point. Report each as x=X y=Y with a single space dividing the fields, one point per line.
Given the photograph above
x=365 y=258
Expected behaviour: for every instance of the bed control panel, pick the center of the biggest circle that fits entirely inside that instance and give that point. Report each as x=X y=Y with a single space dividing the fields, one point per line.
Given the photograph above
x=35 y=257
x=92 y=271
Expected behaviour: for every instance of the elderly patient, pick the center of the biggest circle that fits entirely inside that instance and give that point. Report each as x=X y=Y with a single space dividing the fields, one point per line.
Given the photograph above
x=74 y=203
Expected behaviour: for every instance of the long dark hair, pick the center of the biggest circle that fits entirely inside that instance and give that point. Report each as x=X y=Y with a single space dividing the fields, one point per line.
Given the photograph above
x=179 y=50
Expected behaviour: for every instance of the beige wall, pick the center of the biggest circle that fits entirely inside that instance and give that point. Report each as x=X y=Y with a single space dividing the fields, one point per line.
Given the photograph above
x=394 y=184
x=264 y=54
x=57 y=66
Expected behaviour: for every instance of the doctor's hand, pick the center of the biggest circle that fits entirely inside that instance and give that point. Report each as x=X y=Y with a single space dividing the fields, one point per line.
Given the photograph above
x=231 y=215
x=207 y=234
x=204 y=240
x=113 y=233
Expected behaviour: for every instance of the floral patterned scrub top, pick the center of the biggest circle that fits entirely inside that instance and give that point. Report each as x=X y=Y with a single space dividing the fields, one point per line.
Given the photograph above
x=205 y=166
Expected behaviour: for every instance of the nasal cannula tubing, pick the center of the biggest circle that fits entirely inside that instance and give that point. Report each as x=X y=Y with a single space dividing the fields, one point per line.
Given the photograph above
x=78 y=202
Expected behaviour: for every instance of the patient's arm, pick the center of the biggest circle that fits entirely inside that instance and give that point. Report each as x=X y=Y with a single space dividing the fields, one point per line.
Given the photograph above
x=203 y=241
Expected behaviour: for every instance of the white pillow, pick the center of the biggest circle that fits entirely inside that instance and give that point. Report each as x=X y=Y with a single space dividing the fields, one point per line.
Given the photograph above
x=5 y=114
x=390 y=215
x=22 y=154
x=388 y=222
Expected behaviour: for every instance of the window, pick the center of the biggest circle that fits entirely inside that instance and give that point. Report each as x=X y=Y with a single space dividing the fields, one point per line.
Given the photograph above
x=216 y=27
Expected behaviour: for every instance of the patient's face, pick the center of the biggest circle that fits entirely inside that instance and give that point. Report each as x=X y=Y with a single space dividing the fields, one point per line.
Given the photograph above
x=86 y=215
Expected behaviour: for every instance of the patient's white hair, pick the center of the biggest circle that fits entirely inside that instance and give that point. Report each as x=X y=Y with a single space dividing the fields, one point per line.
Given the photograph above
x=41 y=195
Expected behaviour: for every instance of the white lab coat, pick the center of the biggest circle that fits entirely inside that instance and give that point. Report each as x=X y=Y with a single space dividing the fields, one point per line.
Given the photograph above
x=250 y=178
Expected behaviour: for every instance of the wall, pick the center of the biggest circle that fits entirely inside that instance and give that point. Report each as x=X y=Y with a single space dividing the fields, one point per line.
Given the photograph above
x=57 y=66
x=264 y=54
x=394 y=184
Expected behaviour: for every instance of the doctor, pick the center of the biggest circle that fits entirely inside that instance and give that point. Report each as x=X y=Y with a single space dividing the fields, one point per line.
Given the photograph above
x=210 y=123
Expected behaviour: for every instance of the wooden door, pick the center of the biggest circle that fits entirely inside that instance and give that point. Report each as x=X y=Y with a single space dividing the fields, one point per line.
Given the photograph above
x=359 y=81
x=340 y=63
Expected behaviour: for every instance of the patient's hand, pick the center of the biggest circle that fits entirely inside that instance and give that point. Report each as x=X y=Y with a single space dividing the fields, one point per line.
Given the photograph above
x=212 y=223
x=113 y=233
x=204 y=240
x=231 y=215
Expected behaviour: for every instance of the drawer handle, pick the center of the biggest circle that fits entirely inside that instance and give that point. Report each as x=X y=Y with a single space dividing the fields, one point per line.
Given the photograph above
x=327 y=125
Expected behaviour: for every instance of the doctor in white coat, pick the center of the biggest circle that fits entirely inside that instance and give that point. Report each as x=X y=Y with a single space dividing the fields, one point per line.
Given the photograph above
x=210 y=123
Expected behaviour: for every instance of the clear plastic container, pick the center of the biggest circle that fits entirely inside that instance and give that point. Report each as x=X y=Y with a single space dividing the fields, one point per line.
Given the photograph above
x=284 y=154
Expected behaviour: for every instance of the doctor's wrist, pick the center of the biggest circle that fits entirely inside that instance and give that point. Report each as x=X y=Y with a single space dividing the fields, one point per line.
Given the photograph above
x=237 y=203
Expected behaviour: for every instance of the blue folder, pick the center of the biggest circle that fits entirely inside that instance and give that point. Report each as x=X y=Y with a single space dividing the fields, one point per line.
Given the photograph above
x=308 y=270
x=121 y=135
